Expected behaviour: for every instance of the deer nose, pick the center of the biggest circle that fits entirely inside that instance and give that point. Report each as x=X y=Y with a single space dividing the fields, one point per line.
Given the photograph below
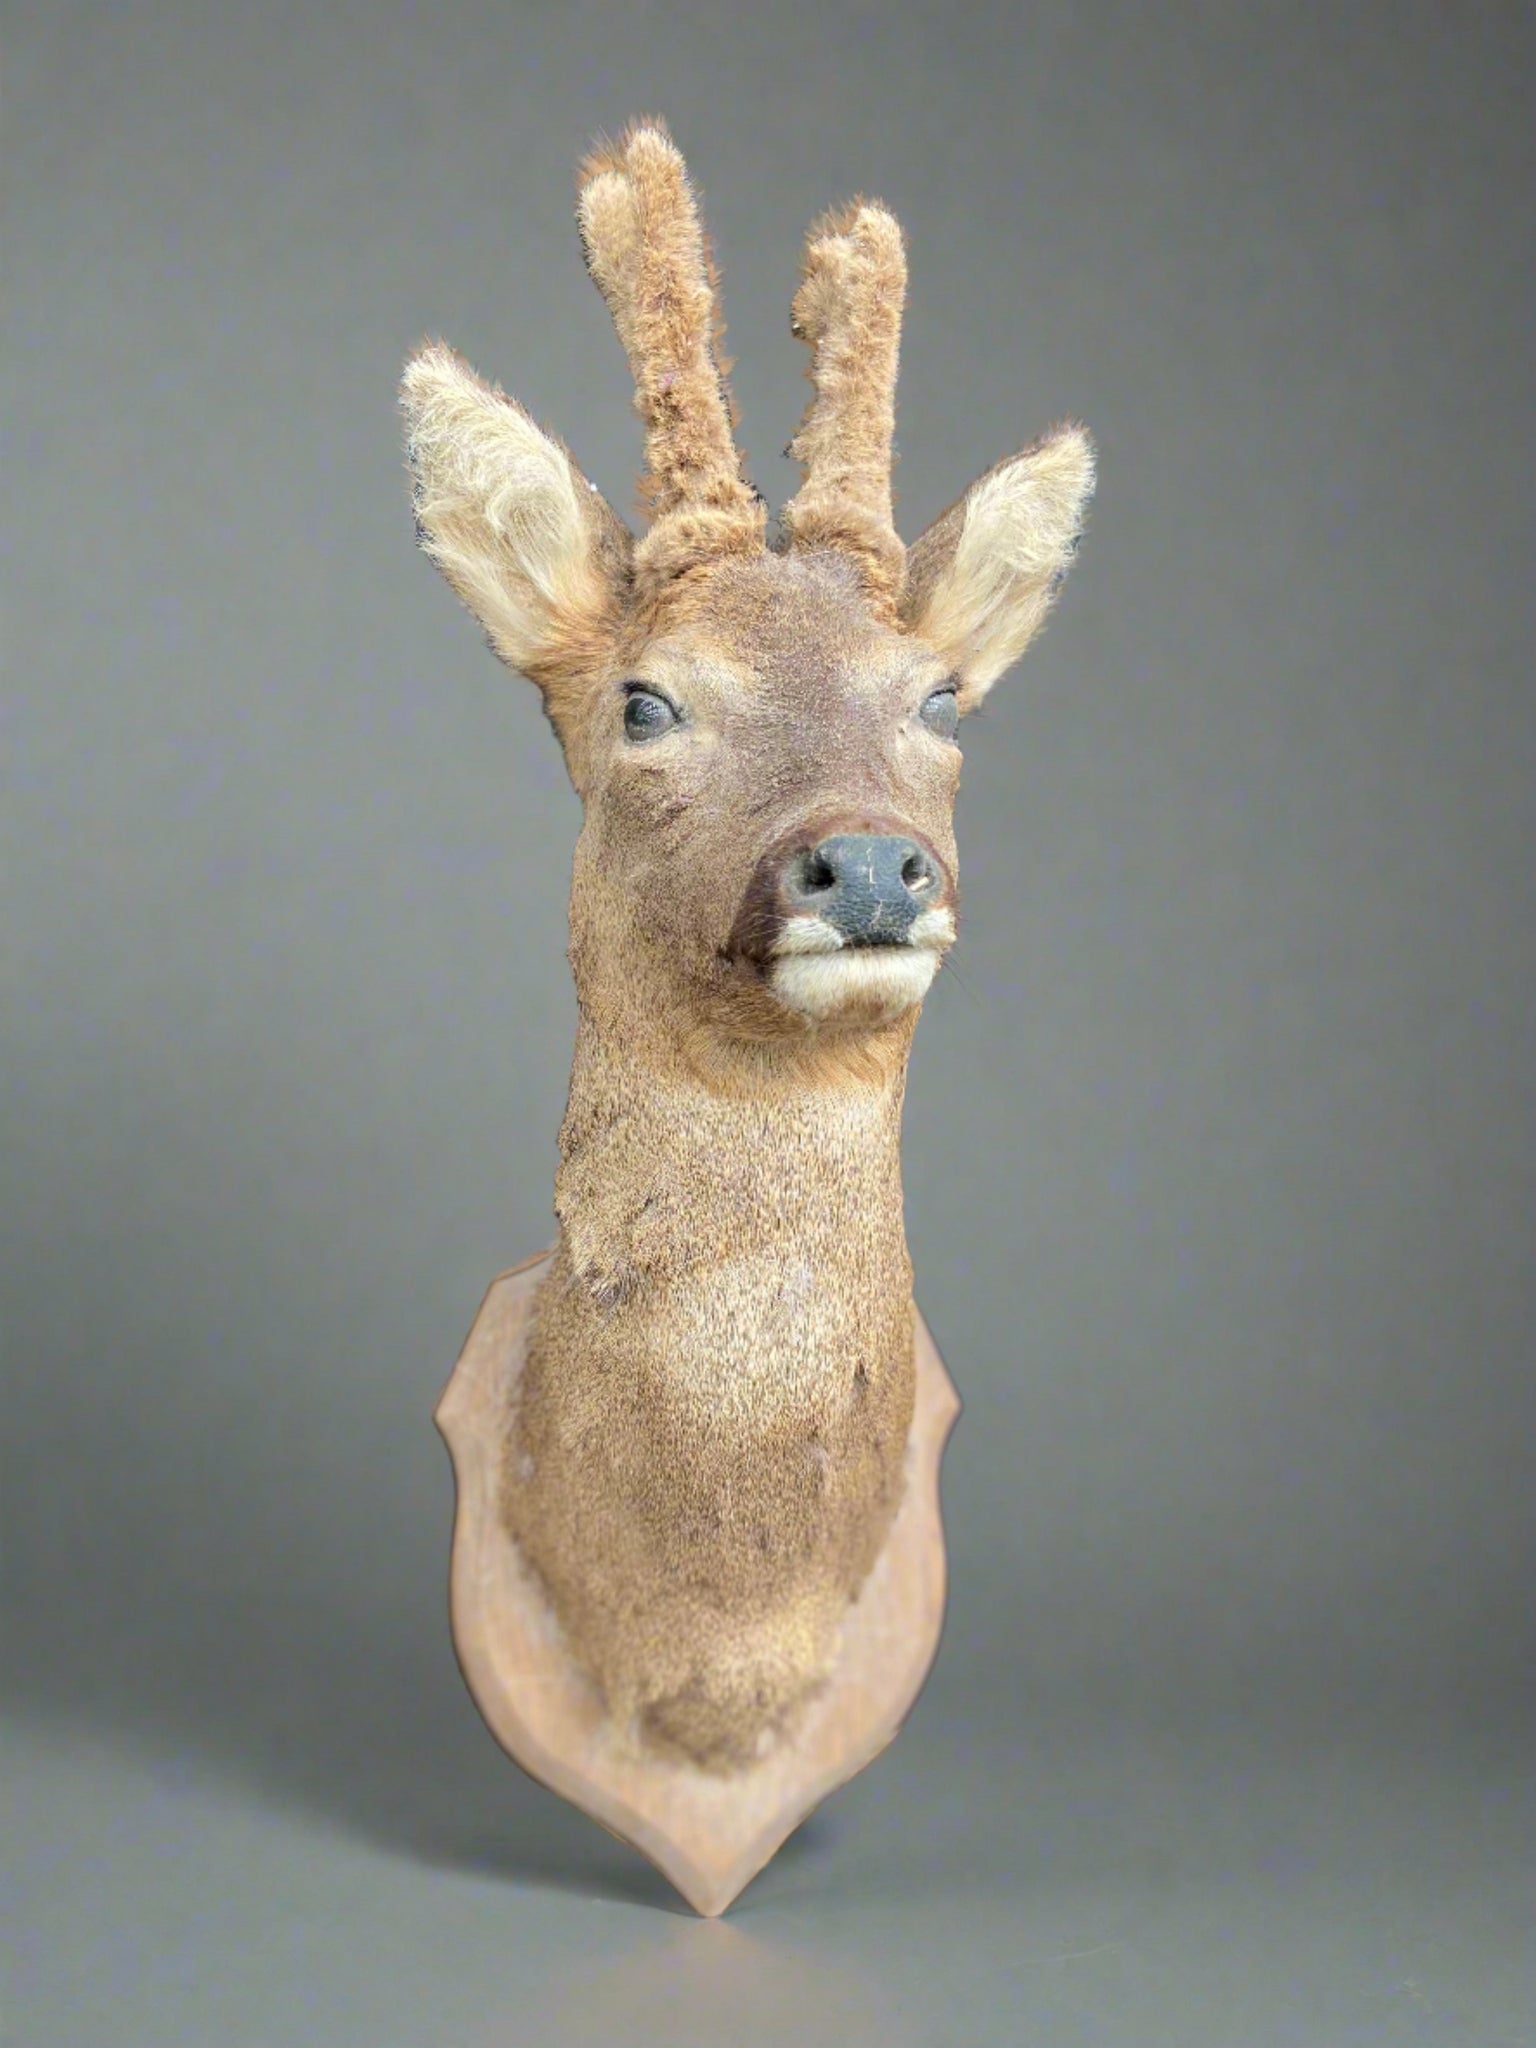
x=871 y=888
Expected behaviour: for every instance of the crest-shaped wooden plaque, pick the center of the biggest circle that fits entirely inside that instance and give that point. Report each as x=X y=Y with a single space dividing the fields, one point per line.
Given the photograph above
x=708 y=1833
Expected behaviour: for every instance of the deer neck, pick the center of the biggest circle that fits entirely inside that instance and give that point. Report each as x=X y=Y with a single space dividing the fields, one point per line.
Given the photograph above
x=718 y=1390
x=782 y=1170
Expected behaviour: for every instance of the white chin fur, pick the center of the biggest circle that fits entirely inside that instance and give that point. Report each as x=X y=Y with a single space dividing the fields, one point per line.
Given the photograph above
x=884 y=980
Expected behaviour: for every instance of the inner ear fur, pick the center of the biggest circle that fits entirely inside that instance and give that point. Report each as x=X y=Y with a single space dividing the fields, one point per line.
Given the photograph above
x=530 y=546
x=982 y=578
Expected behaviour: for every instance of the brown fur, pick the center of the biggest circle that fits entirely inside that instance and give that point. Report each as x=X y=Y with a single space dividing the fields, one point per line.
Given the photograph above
x=853 y=286
x=709 y=1443
x=645 y=247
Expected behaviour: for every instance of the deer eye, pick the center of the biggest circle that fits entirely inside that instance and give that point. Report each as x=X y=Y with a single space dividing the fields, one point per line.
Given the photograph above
x=941 y=712
x=646 y=714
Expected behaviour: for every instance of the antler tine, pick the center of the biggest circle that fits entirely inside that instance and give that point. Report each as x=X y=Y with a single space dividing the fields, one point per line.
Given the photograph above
x=848 y=307
x=645 y=248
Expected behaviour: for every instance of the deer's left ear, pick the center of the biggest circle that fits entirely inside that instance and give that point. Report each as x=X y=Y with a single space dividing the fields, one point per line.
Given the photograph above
x=982 y=578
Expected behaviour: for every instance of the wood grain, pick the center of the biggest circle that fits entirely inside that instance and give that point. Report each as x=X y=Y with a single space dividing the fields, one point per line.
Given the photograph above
x=708 y=1834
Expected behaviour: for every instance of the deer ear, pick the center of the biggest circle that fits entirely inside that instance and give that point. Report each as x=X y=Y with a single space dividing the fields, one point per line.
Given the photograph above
x=529 y=545
x=982 y=578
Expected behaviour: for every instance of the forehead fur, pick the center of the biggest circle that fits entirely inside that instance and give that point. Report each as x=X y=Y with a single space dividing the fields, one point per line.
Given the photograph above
x=787 y=623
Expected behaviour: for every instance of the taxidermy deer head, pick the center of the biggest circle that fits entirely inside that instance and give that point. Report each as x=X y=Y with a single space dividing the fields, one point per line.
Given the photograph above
x=708 y=1443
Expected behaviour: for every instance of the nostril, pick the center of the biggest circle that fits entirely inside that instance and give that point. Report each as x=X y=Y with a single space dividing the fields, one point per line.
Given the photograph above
x=817 y=874
x=917 y=872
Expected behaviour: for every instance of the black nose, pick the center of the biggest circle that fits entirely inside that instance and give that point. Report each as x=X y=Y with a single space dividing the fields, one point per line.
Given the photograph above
x=871 y=888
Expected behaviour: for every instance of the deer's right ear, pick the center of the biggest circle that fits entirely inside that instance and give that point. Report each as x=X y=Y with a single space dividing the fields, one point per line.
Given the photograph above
x=529 y=545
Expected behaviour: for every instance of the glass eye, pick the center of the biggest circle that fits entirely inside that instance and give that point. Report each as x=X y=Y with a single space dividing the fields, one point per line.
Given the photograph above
x=941 y=712
x=646 y=715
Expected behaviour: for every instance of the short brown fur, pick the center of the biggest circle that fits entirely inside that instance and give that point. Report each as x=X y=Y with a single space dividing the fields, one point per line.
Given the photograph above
x=708 y=1448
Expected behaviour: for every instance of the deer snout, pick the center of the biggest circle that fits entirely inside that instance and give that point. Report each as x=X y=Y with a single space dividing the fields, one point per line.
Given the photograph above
x=847 y=925
x=870 y=888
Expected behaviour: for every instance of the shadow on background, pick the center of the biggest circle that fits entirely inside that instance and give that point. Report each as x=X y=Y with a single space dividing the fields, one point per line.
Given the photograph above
x=685 y=1988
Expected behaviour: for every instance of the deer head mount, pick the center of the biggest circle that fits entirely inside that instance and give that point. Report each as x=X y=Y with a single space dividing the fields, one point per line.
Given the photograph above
x=708 y=1444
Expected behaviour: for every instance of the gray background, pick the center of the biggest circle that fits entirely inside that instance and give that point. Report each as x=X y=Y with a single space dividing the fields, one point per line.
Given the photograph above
x=1219 y=1147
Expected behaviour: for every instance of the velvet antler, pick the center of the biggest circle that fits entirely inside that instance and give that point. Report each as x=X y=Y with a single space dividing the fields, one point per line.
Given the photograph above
x=645 y=247
x=848 y=308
